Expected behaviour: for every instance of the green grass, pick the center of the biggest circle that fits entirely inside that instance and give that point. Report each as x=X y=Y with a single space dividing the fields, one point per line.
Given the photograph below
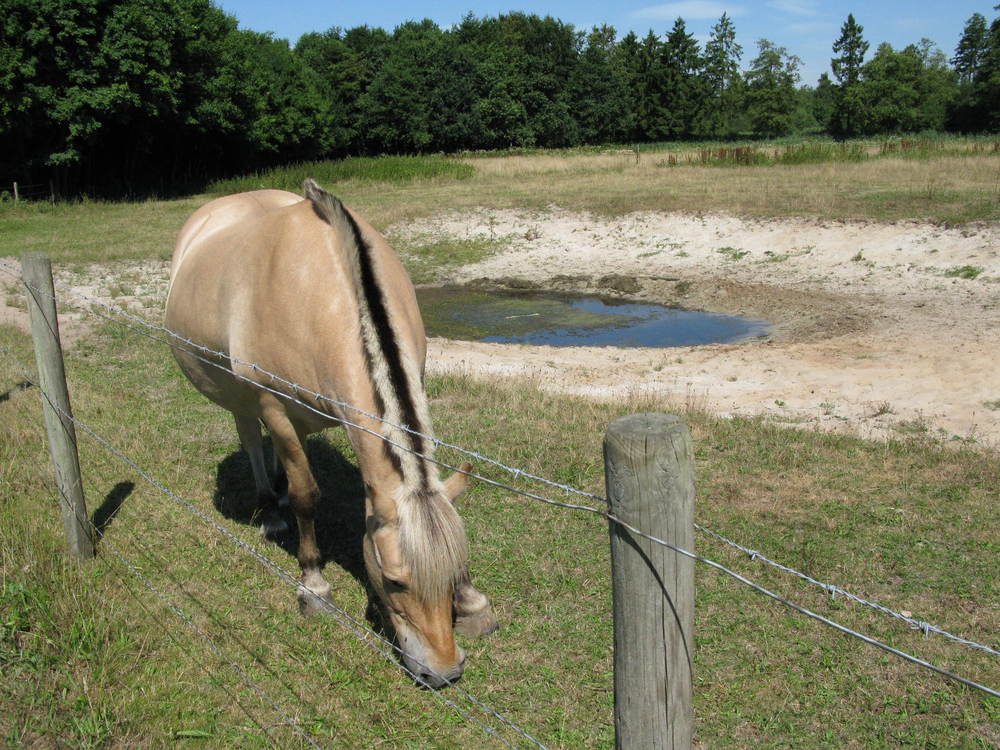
x=428 y=260
x=391 y=170
x=953 y=184
x=964 y=272
x=733 y=253
x=92 y=659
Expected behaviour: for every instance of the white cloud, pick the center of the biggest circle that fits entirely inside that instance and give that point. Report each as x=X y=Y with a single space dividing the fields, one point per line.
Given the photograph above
x=795 y=7
x=688 y=10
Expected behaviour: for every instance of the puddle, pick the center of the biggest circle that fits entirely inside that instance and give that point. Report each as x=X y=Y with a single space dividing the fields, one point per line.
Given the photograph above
x=567 y=320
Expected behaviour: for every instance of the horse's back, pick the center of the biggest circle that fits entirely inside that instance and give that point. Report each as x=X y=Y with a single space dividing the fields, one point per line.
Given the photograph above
x=223 y=215
x=262 y=278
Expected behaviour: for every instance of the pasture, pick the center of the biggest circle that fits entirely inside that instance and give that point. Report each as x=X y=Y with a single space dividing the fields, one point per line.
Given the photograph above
x=91 y=656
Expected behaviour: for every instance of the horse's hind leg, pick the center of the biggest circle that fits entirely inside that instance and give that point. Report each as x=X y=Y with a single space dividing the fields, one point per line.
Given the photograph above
x=303 y=496
x=267 y=509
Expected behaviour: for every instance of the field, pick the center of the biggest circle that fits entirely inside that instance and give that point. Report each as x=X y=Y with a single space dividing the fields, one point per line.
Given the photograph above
x=92 y=657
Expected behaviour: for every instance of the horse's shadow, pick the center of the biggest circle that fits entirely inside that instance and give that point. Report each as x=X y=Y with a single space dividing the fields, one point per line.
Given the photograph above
x=339 y=519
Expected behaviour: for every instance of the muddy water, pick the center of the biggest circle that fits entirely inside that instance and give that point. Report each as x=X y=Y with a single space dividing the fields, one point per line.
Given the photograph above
x=565 y=320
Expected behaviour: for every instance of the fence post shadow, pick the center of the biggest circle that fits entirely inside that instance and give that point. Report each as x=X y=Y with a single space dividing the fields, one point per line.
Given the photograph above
x=108 y=509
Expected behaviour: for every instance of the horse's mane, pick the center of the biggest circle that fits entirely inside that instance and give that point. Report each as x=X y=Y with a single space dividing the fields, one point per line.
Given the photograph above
x=432 y=542
x=431 y=534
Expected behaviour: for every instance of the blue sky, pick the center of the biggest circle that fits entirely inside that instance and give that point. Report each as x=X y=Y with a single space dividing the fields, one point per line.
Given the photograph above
x=807 y=28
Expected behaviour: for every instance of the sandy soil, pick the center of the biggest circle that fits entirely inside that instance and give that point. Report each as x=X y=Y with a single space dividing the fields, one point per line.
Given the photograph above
x=870 y=336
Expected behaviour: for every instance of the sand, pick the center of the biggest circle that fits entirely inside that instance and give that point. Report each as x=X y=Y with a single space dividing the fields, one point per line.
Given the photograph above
x=870 y=336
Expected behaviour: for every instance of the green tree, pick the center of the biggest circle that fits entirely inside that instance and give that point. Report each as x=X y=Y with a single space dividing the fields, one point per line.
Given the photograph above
x=682 y=90
x=823 y=101
x=771 y=95
x=597 y=90
x=630 y=65
x=396 y=107
x=648 y=82
x=977 y=62
x=340 y=74
x=971 y=49
x=850 y=48
x=908 y=90
x=524 y=65
x=987 y=83
x=722 y=80
x=120 y=95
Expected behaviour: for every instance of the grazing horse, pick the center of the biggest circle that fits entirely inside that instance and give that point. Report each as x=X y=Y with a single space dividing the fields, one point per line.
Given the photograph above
x=307 y=290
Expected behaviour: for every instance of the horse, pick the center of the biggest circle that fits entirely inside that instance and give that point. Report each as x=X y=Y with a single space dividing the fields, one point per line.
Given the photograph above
x=306 y=290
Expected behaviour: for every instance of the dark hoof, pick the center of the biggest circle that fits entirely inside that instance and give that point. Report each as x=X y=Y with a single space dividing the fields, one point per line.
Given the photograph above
x=273 y=527
x=312 y=603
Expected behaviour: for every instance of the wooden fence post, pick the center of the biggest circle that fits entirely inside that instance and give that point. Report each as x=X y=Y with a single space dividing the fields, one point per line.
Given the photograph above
x=15 y=193
x=36 y=270
x=649 y=471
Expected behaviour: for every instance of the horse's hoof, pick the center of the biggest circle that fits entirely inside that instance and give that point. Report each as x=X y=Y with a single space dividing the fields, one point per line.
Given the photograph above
x=273 y=527
x=477 y=625
x=311 y=603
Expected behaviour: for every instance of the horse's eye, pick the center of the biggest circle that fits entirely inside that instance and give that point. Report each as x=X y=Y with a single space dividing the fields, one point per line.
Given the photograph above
x=394 y=584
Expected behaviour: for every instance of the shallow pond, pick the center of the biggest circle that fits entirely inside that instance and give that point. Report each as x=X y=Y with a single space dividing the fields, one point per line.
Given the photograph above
x=566 y=320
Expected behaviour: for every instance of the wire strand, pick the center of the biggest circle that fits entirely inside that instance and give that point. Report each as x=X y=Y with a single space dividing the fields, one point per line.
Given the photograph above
x=603 y=513
x=925 y=627
x=360 y=630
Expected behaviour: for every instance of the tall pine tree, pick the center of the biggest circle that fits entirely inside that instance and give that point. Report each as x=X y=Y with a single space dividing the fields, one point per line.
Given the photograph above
x=771 y=95
x=848 y=113
x=682 y=82
x=723 y=83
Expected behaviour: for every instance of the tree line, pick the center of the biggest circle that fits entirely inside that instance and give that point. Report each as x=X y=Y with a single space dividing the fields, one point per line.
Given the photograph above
x=127 y=96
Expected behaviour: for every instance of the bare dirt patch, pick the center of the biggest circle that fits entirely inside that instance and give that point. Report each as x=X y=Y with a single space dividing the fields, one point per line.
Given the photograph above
x=871 y=333
x=137 y=286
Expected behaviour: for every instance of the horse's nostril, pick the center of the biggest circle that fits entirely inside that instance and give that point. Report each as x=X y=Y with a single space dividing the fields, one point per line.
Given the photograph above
x=431 y=680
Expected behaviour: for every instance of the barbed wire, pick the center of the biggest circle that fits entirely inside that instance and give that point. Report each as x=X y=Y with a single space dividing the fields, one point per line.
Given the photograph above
x=518 y=473
x=86 y=522
x=356 y=627
x=926 y=627
x=834 y=590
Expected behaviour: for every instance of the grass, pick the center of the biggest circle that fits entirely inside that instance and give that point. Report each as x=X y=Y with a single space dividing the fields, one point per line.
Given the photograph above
x=733 y=253
x=429 y=260
x=955 y=183
x=92 y=658
x=379 y=170
x=964 y=272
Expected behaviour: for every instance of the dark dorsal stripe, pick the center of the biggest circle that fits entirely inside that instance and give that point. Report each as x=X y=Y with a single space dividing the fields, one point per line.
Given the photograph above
x=374 y=299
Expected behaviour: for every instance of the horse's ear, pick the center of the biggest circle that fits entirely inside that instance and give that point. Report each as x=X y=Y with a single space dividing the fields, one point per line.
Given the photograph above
x=458 y=482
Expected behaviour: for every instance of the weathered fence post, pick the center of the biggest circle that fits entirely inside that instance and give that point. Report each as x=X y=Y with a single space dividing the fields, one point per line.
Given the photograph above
x=36 y=270
x=649 y=471
x=16 y=196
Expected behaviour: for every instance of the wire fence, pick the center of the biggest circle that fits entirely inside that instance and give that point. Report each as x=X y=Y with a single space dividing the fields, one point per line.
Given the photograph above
x=294 y=392
x=16 y=190
x=360 y=630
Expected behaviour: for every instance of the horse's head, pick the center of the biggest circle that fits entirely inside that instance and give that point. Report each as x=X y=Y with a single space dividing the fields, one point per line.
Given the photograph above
x=416 y=555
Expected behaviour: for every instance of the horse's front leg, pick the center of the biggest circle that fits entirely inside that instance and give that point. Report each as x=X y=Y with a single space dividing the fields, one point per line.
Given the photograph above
x=303 y=496
x=473 y=612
